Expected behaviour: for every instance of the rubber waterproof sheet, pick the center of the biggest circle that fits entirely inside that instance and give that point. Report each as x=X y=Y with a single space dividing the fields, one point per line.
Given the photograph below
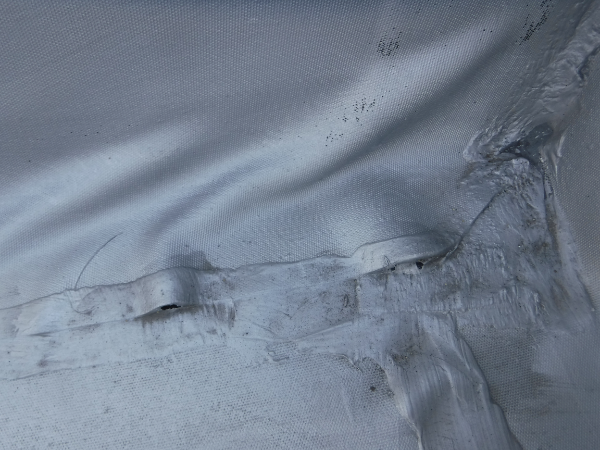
x=255 y=224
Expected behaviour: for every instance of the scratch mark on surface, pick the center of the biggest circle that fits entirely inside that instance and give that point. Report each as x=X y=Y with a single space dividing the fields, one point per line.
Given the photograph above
x=93 y=256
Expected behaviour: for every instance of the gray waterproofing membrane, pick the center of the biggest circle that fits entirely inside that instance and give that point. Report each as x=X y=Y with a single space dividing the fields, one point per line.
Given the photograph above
x=299 y=225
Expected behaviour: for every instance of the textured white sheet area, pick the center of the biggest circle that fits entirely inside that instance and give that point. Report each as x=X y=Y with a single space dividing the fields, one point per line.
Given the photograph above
x=298 y=225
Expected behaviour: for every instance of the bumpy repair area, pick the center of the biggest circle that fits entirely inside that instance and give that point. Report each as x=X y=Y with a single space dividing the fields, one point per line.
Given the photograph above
x=398 y=302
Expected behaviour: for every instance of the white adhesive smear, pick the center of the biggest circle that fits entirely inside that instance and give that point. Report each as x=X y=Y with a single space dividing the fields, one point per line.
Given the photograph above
x=399 y=303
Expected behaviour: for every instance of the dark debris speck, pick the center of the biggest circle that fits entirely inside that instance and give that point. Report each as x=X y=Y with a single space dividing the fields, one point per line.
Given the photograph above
x=165 y=307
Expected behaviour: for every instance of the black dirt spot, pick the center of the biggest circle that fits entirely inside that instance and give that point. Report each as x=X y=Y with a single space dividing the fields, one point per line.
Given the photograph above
x=165 y=307
x=534 y=24
x=389 y=44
